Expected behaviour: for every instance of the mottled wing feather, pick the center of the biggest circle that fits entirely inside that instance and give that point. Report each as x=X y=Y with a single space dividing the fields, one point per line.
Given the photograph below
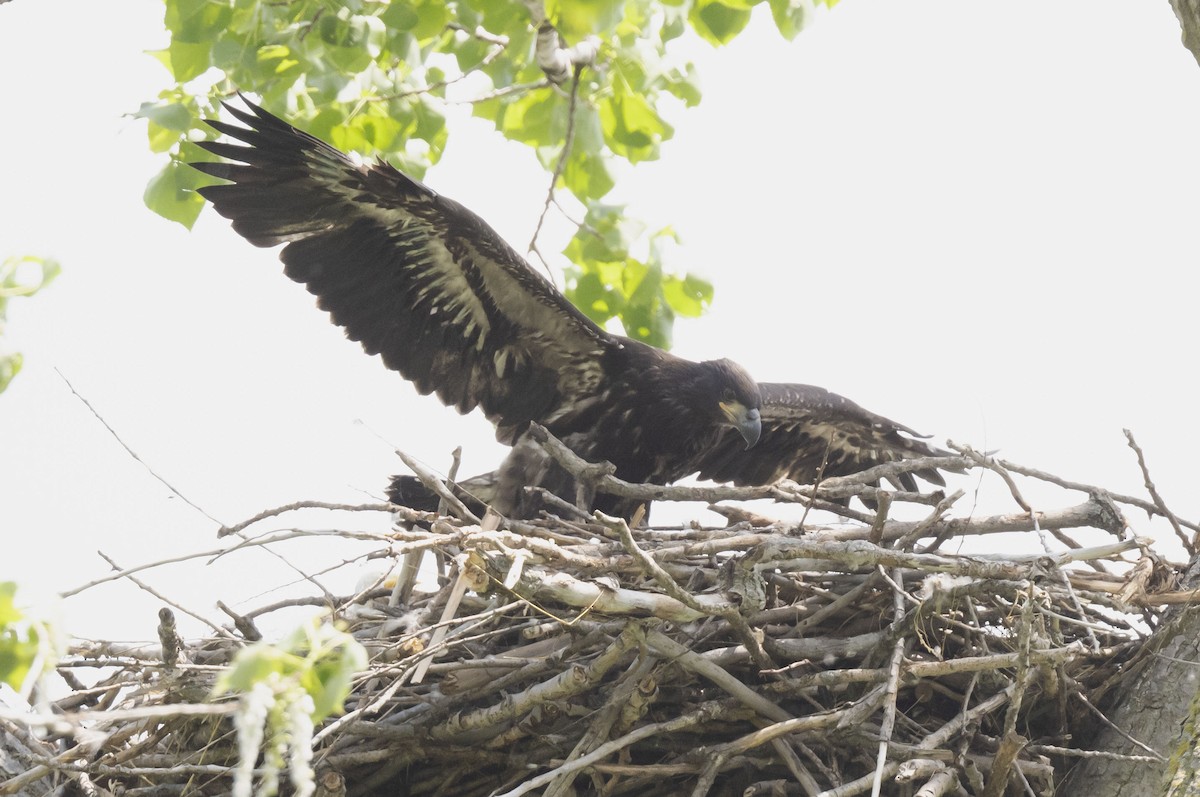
x=415 y=277
x=807 y=432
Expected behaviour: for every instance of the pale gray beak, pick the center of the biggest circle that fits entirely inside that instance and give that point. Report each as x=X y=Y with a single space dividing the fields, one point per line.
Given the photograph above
x=747 y=422
x=750 y=427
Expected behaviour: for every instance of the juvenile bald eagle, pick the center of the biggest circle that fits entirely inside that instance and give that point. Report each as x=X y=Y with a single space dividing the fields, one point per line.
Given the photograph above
x=426 y=284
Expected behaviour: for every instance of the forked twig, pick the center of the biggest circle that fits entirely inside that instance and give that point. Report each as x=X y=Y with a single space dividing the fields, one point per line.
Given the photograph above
x=1189 y=544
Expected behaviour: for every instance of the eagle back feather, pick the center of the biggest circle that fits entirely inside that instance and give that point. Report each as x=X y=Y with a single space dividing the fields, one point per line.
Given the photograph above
x=414 y=276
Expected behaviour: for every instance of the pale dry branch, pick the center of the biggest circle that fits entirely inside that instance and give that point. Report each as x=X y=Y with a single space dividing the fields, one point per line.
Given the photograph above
x=991 y=464
x=147 y=588
x=1091 y=489
x=225 y=531
x=430 y=480
x=1189 y=544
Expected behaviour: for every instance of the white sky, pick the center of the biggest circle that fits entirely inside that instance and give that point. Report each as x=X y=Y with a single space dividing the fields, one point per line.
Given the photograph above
x=976 y=218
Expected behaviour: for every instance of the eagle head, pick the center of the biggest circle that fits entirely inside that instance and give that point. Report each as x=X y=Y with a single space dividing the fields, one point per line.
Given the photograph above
x=732 y=395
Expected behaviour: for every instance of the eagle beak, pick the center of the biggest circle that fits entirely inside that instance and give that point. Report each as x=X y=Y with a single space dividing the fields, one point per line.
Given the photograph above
x=748 y=422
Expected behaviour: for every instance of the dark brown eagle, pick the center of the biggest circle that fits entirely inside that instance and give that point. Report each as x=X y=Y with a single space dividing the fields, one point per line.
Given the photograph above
x=426 y=284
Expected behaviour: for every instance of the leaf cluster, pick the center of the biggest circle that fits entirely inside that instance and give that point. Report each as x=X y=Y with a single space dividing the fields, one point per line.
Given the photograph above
x=20 y=276
x=318 y=658
x=29 y=644
x=377 y=77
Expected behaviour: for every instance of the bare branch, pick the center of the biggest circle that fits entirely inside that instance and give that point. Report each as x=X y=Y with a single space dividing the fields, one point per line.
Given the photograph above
x=575 y=647
x=1189 y=545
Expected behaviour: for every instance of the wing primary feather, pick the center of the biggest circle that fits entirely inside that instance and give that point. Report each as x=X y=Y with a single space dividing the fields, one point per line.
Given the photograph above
x=413 y=276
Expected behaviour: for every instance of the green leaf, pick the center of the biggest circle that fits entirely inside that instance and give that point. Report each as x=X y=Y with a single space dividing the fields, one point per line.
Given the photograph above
x=684 y=83
x=467 y=15
x=632 y=128
x=689 y=296
x=577 y=19
x=429 y=124
x=10 y=366
x=368 y=132
x=17 y=655
x=604 y=237
x=278 y=61
x=196 y=20
x=538 y=119
x=790 y=16
x=189 y=59
x=167 y=122
x=253 y=664
x=718 y=21
x=168 y=114
x=432 y=18
x=9 y=613
x=503 y=17
x=642 y=282
x=648 y=320
x=25 y=276
x=674 y=22
x=19 y=276
x=589 y=134
x=318 y=657
x=400 y=16
x=598 y=300
x=586 y=175
x=24 y=642
x=469 y=53
x=334 y=29
x=334 y=677
x=348 y=59
x=163 y=57
x=232 y=50
x=326 y=121
x=172 y=194
x=352 y=41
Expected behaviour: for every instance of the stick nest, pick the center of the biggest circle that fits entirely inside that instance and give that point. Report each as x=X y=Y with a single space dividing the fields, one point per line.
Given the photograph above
x=576 y=655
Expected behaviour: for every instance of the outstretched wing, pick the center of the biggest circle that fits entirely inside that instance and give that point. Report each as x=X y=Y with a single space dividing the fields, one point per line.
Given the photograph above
x=809 y=432
x=415 y=277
